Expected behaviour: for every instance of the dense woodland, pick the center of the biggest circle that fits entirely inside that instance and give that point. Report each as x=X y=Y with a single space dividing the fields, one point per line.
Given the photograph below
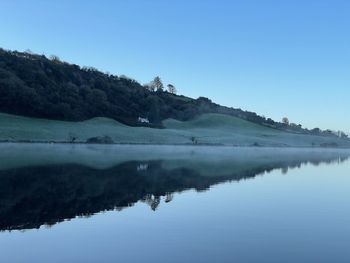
x=36 y=86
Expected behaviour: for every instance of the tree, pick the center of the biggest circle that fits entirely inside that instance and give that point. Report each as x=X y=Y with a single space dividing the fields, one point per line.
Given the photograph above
x=72 y=137
x=316 y=131
x=155 y=85
x=152 y=201
x=55 y=58
x=158 y=84
x=285 y=121
x=171 y=89
x=344 y=135
x=194 y=140
x=149 y=86
x=28 y=51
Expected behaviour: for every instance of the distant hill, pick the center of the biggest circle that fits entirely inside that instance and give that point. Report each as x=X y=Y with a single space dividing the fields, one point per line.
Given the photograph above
x=34 y=86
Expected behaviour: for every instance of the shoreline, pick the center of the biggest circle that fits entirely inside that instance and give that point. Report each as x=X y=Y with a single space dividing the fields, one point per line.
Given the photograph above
x=2 y=142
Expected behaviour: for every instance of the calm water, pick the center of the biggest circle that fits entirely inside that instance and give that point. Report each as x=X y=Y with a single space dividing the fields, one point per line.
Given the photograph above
x=61 y=203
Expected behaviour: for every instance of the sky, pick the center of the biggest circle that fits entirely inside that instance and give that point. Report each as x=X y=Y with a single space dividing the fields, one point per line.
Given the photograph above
x=277 y=58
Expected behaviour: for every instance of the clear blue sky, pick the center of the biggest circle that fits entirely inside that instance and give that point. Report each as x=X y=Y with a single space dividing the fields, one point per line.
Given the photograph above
x=277 y=58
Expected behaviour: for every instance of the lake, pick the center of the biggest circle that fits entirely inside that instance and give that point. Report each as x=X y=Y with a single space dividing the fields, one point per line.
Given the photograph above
x=90 y=203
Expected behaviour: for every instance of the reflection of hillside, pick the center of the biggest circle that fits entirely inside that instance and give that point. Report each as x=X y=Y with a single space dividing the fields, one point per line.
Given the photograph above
x=33 y=196
x=258 y=163
x=30 y=197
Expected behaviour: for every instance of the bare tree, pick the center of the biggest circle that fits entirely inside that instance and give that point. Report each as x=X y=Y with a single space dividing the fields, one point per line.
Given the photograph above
x=158 y=84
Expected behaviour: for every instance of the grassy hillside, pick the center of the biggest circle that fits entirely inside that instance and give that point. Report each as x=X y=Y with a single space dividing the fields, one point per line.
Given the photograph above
x=206 y=129
x=35 y=86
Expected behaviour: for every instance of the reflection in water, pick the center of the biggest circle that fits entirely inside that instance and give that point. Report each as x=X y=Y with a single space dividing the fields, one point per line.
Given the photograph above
x=37 y=194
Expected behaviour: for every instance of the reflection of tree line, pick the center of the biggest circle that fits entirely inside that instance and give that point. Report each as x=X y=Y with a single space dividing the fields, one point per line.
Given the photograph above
x=34 y=196
x=154 y=201
x=297 y=164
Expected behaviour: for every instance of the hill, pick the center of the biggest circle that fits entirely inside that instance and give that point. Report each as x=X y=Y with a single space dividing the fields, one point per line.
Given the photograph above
x=207 y=129
x=35 y=86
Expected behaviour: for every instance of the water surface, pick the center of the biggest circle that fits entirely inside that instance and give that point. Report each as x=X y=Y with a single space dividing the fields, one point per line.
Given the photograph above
x=84 y=203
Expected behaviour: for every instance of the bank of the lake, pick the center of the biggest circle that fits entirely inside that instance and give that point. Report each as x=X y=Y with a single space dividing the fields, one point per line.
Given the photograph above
x=208 y=129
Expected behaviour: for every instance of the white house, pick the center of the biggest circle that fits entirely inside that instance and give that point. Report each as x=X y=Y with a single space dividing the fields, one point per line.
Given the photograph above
x=143 y=120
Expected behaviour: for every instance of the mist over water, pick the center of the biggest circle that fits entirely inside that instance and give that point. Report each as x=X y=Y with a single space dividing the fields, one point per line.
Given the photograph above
x=173 y=204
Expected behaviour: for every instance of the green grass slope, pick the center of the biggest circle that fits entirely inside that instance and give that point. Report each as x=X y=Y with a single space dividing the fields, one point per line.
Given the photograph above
x=215 y=129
